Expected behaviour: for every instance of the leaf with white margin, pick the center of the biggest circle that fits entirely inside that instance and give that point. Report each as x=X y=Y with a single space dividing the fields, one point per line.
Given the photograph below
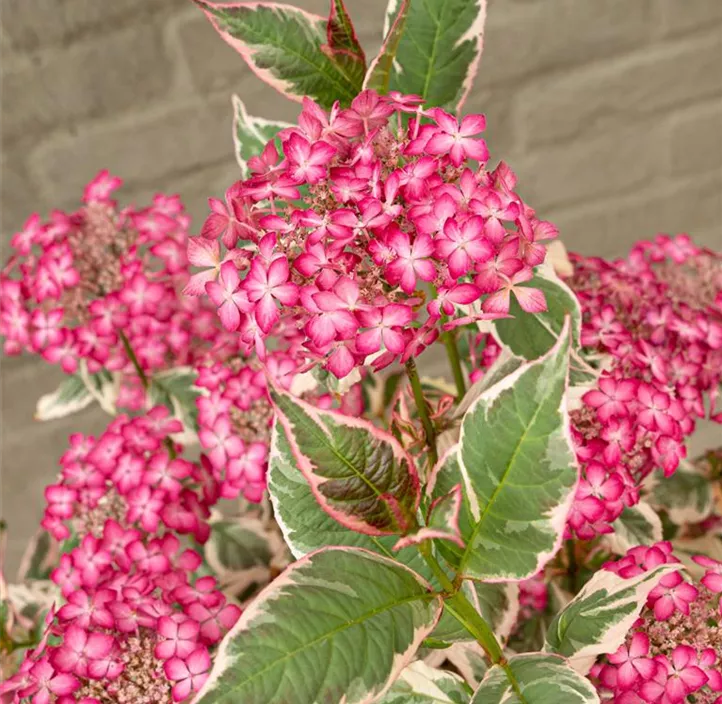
x=282 y=45
x=241 y=552
x=519 y=468
x=439 y=50
x=421 y=684
x=686 y=495
x=306 y=526
x=497 y=603
x=638 y=525
x=470 y=660
x=338 y=625
x=251 y=134
x=596 y=621
x=539 y=679
x=77 y=392
x=442 y=522
x=530 y=335
x=360 y=475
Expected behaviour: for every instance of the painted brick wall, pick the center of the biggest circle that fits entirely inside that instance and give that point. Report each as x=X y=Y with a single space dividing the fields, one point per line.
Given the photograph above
x=609 y=110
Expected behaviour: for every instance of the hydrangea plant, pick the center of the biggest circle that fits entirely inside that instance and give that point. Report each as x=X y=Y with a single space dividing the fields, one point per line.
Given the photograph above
x=529 y=531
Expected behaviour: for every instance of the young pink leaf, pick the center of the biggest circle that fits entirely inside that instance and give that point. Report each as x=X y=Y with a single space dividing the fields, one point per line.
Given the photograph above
x=342 y=45
x=442 y=522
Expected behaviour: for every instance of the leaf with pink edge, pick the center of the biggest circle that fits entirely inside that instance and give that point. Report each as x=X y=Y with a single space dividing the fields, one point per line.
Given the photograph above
x=378 y=76
x=314 y=635
x=360 y=475
x=282 y=45
x=519 y=470
x=439 y=50
x=342 y=45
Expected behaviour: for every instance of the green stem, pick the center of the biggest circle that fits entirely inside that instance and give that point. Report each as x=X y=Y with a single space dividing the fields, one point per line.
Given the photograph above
x=423 y=410
x=452 y=351
x=462 y=609
x=134 y=360
x=144 y=382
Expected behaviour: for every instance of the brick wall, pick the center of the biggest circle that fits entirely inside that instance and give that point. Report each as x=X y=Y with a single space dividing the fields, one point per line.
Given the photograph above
x=610 y=111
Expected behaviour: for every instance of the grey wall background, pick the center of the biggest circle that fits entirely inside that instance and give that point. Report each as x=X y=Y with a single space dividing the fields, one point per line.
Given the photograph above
x=609 y=110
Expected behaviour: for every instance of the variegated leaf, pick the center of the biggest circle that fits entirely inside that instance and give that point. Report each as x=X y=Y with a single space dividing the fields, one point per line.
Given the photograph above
x=638 y=525
x=241 y=552
x=342 y=44
x=77 y=392
x=378 y=76
x=686 y=495
x=538 y=679
x=360 y=475
x=315 y=634
x=439 y=50
x=283 y=46
x=530 y=335
x=519 y=470
x=442 y=522
x=251 y=134
x=421 y=684
x=306 y=526
x=469 y=659
x=596 y=621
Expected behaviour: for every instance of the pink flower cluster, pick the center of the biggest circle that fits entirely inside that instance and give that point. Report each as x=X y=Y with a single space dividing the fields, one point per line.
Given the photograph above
x=658 y=317
x=234 y=421
x=137 y=625
x=366 y=237
x=130 y=475
x=674 y=649
x=75 y=282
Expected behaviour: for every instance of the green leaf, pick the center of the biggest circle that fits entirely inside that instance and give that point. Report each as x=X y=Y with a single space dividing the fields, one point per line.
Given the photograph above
x=439 y=51
x=240 y=553
x=686 y=495
x=251 y=134
x=306 y=526
x=597 y=620
x=283 y=46
x=238 y=545
x=40 y=558
x=174 y=388
x=519 y=468
x=378 y=76
x=77 y=392
x=338 y=625
x=638 y=525
x=421 y=684
x=540 y=679
x=531 y=335
x=360 y=475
